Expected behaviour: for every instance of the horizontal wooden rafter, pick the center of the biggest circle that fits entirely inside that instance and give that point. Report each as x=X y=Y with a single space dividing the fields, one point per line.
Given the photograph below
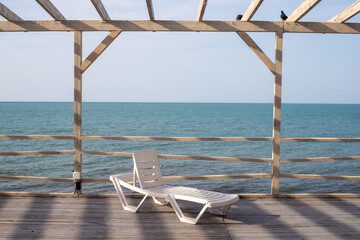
x=302 y=10
x=347 y=13
x=101 y=10
x=254 y=6
x=180 y=26
x=201 y=11
x=99 y=50
x=8 y=14
x=51 y=9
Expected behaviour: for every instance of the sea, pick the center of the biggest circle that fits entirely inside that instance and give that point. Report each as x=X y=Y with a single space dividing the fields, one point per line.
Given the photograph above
x=181 y=120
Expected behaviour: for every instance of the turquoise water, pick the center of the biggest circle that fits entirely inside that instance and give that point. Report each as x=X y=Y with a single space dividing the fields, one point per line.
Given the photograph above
x=181 y=119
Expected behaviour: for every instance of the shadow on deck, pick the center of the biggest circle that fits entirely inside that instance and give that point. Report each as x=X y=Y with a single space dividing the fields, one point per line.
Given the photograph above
x=103 y=218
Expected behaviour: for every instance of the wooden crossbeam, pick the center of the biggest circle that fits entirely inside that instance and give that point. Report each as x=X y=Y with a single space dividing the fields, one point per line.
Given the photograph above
x=180 y=26
x=347 y=13
x=51 y=9
x=254 y=5
x=99 y=50
x=201 y=11
x=8 y=14
x=302 y=10
x=257 y=50
x=101 y=10
x=150 y=9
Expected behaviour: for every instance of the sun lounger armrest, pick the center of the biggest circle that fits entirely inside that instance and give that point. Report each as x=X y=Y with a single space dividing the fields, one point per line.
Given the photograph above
x=125 y=177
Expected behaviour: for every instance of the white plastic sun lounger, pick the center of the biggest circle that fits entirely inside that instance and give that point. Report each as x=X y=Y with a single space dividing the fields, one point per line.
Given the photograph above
x=148 y=176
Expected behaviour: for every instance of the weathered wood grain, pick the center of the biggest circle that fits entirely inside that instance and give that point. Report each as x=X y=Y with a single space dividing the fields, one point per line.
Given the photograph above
x=51 y=10
x=101 y=10
x=103 y=218
x=201 y=10
x=254 y=6
x=302 y=10
x=188 y=139
x=277 y=114
x=347 y=13
x=8 y=14
x=187 y=157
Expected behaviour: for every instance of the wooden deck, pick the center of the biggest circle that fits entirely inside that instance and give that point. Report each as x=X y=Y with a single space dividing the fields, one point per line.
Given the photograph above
x=103 y=218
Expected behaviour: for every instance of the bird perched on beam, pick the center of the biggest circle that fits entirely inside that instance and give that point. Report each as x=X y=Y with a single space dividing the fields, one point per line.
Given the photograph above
x=239 y=17
x=283 y=16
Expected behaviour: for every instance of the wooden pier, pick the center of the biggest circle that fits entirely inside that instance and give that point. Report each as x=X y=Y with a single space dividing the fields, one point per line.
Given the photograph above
x=103 y=218
x=58 y=216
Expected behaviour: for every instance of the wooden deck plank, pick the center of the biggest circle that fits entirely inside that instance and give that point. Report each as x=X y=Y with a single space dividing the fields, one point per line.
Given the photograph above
x=103 y=218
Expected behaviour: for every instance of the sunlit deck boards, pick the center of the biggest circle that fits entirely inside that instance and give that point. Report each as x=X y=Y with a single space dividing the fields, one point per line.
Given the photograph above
x=89 y=218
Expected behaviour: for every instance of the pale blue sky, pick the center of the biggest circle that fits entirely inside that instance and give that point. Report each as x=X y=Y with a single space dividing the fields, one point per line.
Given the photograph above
x=179 y=67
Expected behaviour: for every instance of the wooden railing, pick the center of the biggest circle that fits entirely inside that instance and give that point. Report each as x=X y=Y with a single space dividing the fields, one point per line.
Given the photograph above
x=185 y=157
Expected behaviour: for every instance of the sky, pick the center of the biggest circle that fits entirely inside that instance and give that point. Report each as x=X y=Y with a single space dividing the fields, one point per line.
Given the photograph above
x=180 y=66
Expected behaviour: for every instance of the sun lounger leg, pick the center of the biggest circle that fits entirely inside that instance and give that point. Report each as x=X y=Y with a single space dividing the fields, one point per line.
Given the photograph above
x=180 y=214
x=123 y=201
x=218 y=211
x=157 y=201
x=120 y=194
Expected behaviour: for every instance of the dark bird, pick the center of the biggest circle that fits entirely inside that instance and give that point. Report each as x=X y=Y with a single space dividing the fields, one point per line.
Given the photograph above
x=283 y=16
x=238 y=17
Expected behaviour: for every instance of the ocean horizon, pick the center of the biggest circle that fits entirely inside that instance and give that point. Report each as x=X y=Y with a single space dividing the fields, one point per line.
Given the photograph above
x=181 y=119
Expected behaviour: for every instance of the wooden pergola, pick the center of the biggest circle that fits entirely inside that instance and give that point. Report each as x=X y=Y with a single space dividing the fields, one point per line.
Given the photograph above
x=293 y=24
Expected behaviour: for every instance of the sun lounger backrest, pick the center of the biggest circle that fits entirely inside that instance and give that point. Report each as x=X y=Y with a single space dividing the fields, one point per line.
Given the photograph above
x=147 y=169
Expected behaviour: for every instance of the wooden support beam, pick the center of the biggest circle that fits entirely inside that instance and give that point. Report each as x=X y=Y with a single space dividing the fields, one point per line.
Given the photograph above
x=180 y=26
x=150 y=9
x=99 y=50
x=77 y=107
x=302 y=10
x=347 y=13
x=51 y=9
x=101 y=10
x=201 y=11
x=257 y=50
x=254 y=5
x=277 y=114
x=8 y=14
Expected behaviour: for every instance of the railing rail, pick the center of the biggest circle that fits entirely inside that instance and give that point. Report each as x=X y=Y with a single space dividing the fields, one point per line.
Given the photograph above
x=184 y=157
x=188 y=139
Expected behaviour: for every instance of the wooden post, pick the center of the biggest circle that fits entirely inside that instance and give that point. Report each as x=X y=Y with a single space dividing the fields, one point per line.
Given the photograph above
x=77 y=107
x=277 y=114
